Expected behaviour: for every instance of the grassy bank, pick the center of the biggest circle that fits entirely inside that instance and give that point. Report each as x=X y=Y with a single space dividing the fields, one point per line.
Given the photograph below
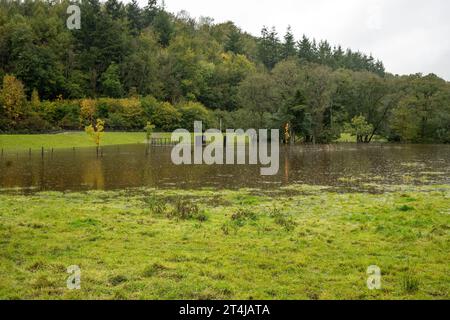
x=73 y=139
x=80 y=140
x=67 y=140
x=300 y=243
x=348 y=138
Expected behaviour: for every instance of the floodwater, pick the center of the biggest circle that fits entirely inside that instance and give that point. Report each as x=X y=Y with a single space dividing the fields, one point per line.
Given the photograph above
x=348 y=166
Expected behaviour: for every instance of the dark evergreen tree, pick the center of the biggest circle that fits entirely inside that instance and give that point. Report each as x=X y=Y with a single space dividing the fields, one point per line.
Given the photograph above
x=233 y=43
x=150 y=12
x=325 y=54
x=135 y=18
x=269 y=48
x=289 y=49
x=164 y=27
x=305 y=50
x=115 y=9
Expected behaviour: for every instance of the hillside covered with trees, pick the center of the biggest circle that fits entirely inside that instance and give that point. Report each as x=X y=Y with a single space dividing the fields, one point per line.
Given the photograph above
x=129 y=65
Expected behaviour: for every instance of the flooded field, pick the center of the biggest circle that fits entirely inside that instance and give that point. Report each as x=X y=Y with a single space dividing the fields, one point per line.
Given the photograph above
x=348 y=166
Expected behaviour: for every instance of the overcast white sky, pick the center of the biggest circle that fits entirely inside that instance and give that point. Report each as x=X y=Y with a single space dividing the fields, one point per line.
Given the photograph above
x=409 y=36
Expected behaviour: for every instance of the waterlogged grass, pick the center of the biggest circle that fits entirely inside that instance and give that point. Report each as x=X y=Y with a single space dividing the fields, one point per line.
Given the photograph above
x=301 y=242
x=67 y=140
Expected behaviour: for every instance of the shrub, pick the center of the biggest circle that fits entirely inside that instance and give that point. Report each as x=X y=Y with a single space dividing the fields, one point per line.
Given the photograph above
x=67 y=115
x=194 y=111
x=5 y=125
x=163 y=115
x=69 y=122
x=116 y=121
x=33 y=123
x=133 y=112
x=149 y=105
x=121 y=114
x=48 y=111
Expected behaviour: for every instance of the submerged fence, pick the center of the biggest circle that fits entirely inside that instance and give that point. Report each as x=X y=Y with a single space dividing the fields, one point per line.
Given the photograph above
x=158 y=142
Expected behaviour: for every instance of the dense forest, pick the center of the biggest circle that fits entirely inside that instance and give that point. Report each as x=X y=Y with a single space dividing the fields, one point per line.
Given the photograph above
x=130 y=65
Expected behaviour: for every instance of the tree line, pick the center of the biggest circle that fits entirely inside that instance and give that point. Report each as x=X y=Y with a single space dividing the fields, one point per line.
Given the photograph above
x=129 y=66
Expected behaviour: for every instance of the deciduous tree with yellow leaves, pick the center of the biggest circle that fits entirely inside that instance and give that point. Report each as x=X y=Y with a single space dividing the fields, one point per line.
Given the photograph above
x=13 y=99
x=96 y=132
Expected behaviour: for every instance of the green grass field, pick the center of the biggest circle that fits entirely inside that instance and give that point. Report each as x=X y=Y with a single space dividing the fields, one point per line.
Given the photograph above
x=73 y=139
x=300 y=242
x=67 y=140
x=80 y=140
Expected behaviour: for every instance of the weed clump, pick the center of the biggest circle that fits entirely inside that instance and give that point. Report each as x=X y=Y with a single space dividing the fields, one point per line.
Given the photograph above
x=406 y=208
x=282 y=219
x=243 y=215
x=410 y=283
x=157 y=206
x=226 y=228
x=153 y=270
x=117 y=280
x=238 y=219
x=187 y=210
x=36 y=266
x=42 y=282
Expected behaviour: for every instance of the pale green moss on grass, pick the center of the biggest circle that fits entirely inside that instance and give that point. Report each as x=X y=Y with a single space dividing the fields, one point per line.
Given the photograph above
x=305 y=243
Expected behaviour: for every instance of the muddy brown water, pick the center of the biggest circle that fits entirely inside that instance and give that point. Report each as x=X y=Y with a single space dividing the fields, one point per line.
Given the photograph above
x=347 y=166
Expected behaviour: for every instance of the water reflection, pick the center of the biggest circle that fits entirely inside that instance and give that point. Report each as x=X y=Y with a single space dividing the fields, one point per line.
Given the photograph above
x=92 y=175
x=130 y=166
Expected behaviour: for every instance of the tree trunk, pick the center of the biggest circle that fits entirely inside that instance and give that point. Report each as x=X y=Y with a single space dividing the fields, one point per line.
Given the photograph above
x=359 y=139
